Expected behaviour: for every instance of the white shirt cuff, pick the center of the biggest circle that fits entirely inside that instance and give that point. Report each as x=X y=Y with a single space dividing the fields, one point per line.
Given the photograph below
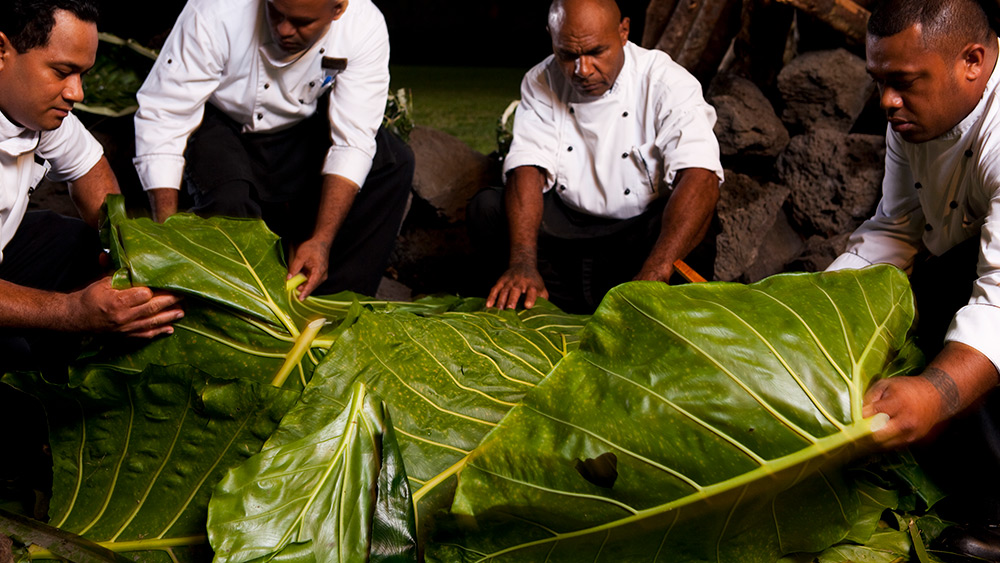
x=159 y=171
x=977 y=325
x=848 y=261
x=348 y=162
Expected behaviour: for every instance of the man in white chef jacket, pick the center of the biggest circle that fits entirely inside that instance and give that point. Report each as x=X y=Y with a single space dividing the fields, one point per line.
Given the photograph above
x=49 y=263
x=613 y=173
x=272 y=109
x=935 y=66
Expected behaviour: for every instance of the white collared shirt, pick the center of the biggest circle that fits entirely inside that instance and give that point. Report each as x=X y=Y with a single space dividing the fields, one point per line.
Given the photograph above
x=221 y=51
x=613 y=155
x=69 y=150
x=936 y=195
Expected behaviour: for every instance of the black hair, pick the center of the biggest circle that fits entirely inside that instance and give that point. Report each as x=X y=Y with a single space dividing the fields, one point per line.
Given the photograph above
x=28 y=23
x=947 y=25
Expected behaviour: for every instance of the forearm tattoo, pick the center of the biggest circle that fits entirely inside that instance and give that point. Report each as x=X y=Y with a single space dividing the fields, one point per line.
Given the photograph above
x=946 y=388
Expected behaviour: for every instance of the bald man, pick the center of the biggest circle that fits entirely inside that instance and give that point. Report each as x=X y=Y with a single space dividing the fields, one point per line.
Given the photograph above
x=272 y=109
x=613 y=173
x=935 y=66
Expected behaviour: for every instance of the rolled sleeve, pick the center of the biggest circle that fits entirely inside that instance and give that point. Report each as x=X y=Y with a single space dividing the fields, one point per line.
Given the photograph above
x=70 y=150
x=534 y=142
x=686 y=137
x=978 y=323
x=357 y=100
x=172 y=99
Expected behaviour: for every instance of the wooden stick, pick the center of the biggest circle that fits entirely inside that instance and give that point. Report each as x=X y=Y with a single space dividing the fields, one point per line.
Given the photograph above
x=687 y=272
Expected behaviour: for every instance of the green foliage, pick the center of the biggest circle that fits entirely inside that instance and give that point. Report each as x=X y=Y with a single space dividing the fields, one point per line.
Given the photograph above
x=398 y=114
x=330 y=490
x=698 y=423
x=118 y=72
x=136 y=455
x=706 y=395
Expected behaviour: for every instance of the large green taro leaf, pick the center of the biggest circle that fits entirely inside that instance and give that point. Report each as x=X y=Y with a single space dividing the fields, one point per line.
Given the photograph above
x=666 y=434
x=448 y=379
x=338 y=494
x=135 y=456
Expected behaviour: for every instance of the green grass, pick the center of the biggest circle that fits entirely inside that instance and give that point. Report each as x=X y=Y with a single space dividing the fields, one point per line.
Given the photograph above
x=462 y=101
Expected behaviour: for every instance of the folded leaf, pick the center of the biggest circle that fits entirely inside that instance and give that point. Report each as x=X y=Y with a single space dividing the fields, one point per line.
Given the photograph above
x=712 y=397
x=135 y=456
x=337 y=494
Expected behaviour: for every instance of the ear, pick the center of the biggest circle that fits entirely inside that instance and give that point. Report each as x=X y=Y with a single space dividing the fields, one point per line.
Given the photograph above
x=623 y=30
x=6 y=49
x=973 y=58
x=339 y=10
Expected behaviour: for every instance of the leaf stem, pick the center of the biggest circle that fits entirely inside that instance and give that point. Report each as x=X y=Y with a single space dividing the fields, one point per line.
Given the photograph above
x=302 y=344
x=128 y=546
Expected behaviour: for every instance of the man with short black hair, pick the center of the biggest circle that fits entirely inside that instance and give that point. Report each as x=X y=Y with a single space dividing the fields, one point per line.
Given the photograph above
x=935 y=66
x=613 y=173
x=45 y=46
x=272 y=109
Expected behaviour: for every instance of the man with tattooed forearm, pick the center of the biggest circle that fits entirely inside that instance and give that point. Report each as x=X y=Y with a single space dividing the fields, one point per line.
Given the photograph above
x=934 y=64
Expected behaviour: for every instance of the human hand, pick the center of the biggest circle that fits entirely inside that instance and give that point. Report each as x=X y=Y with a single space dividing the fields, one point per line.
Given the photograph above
x=518 y=280
x=311 y=258
x=915 y=405
x=138 y=311
x=655 y=272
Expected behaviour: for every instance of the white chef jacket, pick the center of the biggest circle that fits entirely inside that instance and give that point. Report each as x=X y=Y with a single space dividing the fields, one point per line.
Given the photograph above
x=221 y=51
x=935 y=195
x=613 y=155
x=69 y=150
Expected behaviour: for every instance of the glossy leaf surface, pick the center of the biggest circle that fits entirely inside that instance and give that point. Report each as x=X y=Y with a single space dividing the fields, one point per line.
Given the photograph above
x=316 y=498
x=712 y=397
x=136 y=455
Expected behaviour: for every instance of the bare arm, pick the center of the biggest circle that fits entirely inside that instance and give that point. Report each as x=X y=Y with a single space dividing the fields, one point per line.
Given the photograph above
x=163 y=202
x=312 y=256
x=686 y=218
x=958 y=377
x=88 y=191
x=523 y=199
x=97 y=308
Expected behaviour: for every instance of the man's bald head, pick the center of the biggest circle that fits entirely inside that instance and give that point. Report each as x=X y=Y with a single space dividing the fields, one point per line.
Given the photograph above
x=588 y=41
x=605 y=10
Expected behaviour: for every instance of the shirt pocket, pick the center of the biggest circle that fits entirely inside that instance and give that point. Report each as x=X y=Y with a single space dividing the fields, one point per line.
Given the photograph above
x=316 y=86
x=638 y=174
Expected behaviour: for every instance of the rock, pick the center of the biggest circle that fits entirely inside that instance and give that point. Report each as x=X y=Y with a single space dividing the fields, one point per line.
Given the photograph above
x=783 y=244
x=820 y=252
x=434 y=260
x=824 y=89
x=747 y=124
x=746 y=213
x=447 y=172
x=391 y=290
x=835 y=178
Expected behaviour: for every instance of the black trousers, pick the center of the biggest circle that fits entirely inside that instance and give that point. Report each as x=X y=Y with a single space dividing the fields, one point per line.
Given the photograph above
x=276 y=176
x=580 y=256
x=53 y=253
x=964 y=459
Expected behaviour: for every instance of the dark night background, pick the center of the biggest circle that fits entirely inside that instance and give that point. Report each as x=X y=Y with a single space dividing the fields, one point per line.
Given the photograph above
x=497 y=33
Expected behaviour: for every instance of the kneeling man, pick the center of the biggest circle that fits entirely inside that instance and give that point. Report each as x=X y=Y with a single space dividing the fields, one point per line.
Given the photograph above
x=613 y=173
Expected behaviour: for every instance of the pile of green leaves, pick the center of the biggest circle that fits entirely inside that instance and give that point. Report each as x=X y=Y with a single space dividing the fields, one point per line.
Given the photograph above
x=699 y=423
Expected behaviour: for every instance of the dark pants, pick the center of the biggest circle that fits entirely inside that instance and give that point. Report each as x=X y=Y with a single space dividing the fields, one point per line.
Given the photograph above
x=53 y=253
x=276 y=176
x=580 y=256
x=965 y=458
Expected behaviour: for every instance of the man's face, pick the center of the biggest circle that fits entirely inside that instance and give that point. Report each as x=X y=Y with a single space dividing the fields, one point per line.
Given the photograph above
x=589 y=47
x=924 y=92
x=297 y=24
x=39 y=86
